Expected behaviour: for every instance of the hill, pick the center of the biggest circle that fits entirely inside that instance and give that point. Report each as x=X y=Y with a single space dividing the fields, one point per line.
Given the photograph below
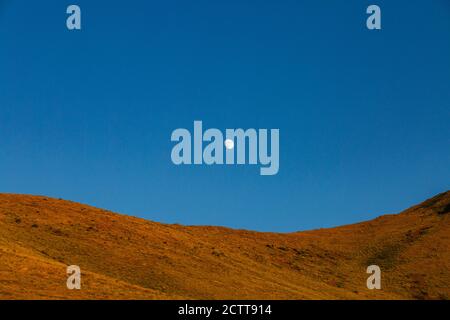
x=123 y=257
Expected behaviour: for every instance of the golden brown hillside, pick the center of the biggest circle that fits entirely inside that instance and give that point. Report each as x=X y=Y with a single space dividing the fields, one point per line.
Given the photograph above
x=126 y=257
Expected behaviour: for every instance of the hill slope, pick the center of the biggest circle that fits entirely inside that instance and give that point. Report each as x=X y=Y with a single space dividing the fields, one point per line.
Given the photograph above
x=123 y=257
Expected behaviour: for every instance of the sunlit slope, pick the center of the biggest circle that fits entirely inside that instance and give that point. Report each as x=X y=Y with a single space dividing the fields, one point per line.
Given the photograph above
x=123 y=257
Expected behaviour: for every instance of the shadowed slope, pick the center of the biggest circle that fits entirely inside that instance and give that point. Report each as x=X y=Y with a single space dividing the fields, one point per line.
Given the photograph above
x=126 y=257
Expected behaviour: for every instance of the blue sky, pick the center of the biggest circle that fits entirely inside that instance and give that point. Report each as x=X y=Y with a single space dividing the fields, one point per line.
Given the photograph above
x=363 y=115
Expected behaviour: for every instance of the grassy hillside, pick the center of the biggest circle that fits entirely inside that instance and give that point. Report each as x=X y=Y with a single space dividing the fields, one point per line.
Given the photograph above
x=123 y=257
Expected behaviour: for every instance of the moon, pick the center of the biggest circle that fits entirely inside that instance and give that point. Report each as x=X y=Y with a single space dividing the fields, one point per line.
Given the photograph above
x=229 y=144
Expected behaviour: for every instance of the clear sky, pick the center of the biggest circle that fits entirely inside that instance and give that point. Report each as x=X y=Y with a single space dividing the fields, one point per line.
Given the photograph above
x=363 y=115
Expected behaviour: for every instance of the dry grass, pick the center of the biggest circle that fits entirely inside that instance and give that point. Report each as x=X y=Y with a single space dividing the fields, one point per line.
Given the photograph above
x=123 y=257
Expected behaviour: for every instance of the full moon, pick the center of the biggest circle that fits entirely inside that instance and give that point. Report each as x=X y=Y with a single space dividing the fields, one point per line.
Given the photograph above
x=229 y=144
